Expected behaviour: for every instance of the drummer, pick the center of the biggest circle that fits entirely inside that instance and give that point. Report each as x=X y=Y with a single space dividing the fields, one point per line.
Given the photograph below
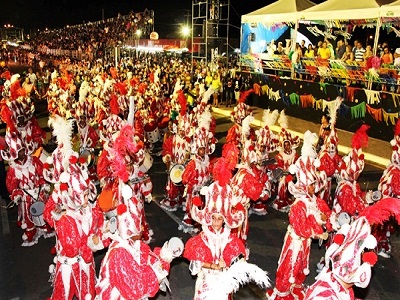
x=176 y=150
x=26 y=186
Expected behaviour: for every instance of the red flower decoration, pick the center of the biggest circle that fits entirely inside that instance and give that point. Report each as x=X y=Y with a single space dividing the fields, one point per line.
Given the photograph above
x=63 y=187
x=121 y=209
x=239 y=207
x=82 y=160
x=197 y=201
x=338 y=239
x=288 y=178
x=46 y=166
x=73 y=159
x=370 y=258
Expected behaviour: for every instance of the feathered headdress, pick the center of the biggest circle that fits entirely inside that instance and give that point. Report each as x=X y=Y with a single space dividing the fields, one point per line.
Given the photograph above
x=125 y=152
x=59 y=160
x=269 y=118
x=245 y=95
x=333 y=109
x=246 y=128
x=283 y=120
x=360 y=138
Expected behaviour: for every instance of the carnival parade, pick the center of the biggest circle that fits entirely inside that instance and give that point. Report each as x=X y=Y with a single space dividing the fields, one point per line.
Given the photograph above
x=132 y=172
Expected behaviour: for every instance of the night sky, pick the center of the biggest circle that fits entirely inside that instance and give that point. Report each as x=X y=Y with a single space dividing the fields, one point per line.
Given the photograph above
x=40 y=14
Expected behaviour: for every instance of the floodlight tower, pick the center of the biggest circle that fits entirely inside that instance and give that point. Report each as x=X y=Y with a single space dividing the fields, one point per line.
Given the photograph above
x=210 y=30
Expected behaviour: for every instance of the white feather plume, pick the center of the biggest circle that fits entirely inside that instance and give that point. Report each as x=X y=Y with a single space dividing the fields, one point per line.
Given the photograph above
x=205 y=120
x=239 y=274
x=131 y=114
x=269 y=118
x=207 y=95
x=283 y=120
x=333 y=109
x=62 y=130
x=246 y=125
x=309 y=141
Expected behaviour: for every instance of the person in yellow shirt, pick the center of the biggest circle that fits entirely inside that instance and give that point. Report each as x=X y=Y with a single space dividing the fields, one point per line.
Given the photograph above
x=208 y=80
x=324 y=52
x=216 y=86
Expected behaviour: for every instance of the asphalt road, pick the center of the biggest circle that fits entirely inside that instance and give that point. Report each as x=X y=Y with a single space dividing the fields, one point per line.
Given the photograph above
x=24 y=271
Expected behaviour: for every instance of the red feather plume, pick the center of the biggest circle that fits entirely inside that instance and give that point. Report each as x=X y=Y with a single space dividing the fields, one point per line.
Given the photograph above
x=182 y=101
x=382 y=210
x=121 y=88
x=231 y=153
x=360 y=137
x=14 y=90
x=221 y=171
x=245 y=95
x=114 y=107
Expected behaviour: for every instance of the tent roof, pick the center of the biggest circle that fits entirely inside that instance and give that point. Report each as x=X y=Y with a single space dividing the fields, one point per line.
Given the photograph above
x=281 y=10
x=342 y=10
x=391 y=10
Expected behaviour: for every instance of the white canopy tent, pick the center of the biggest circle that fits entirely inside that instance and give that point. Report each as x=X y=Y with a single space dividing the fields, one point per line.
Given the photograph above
x=278 y=12
x=391 y=10
x=342 y=10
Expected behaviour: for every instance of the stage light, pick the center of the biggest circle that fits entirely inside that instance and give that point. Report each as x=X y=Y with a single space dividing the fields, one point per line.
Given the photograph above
x=185 y=31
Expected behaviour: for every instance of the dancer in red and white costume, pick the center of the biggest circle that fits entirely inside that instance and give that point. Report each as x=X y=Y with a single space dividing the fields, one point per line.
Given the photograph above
x=328 y=154
x=266 y=143
x=198 y=171
x=26 y=186
x=176 y=151
x=309 y=217
x=130 y=269
x=349 y=196
x=215 y=251
x=389 y=186
x=239 y=113
x=249 y=184
x=127 y=155
x=78 y=225
x=348 y=261
x=286 y=157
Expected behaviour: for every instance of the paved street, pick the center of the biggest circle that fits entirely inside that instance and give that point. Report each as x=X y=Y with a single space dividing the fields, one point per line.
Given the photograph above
x=24 y=275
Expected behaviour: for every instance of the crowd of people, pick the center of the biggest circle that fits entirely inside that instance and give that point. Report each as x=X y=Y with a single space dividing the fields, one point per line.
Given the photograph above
x=118 y=114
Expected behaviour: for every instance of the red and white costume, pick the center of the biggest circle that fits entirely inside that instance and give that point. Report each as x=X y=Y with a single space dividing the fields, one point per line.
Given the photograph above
x=214 y=252
x=130 y=269
x=284 y=159
x=198 y=171
x=129 y=181
x=349 y=197
x=389 y=186
x=266 y=143
x=308 y=217
x=176 y=150
x=24 y=181
x=77 y=224
x=330 y=163
x=249 y=184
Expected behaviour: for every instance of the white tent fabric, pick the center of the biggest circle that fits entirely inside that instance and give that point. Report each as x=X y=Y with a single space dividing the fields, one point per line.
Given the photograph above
x=391 y=10
x=342 y=10
x=281 y=10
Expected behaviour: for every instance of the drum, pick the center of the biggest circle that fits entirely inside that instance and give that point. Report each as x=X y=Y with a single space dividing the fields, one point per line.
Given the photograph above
x=175 y=174
x=152 y=134
x=113 y=224
x=277 y=174
x=147 y=162
x=88 y=154
x=36 y=210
